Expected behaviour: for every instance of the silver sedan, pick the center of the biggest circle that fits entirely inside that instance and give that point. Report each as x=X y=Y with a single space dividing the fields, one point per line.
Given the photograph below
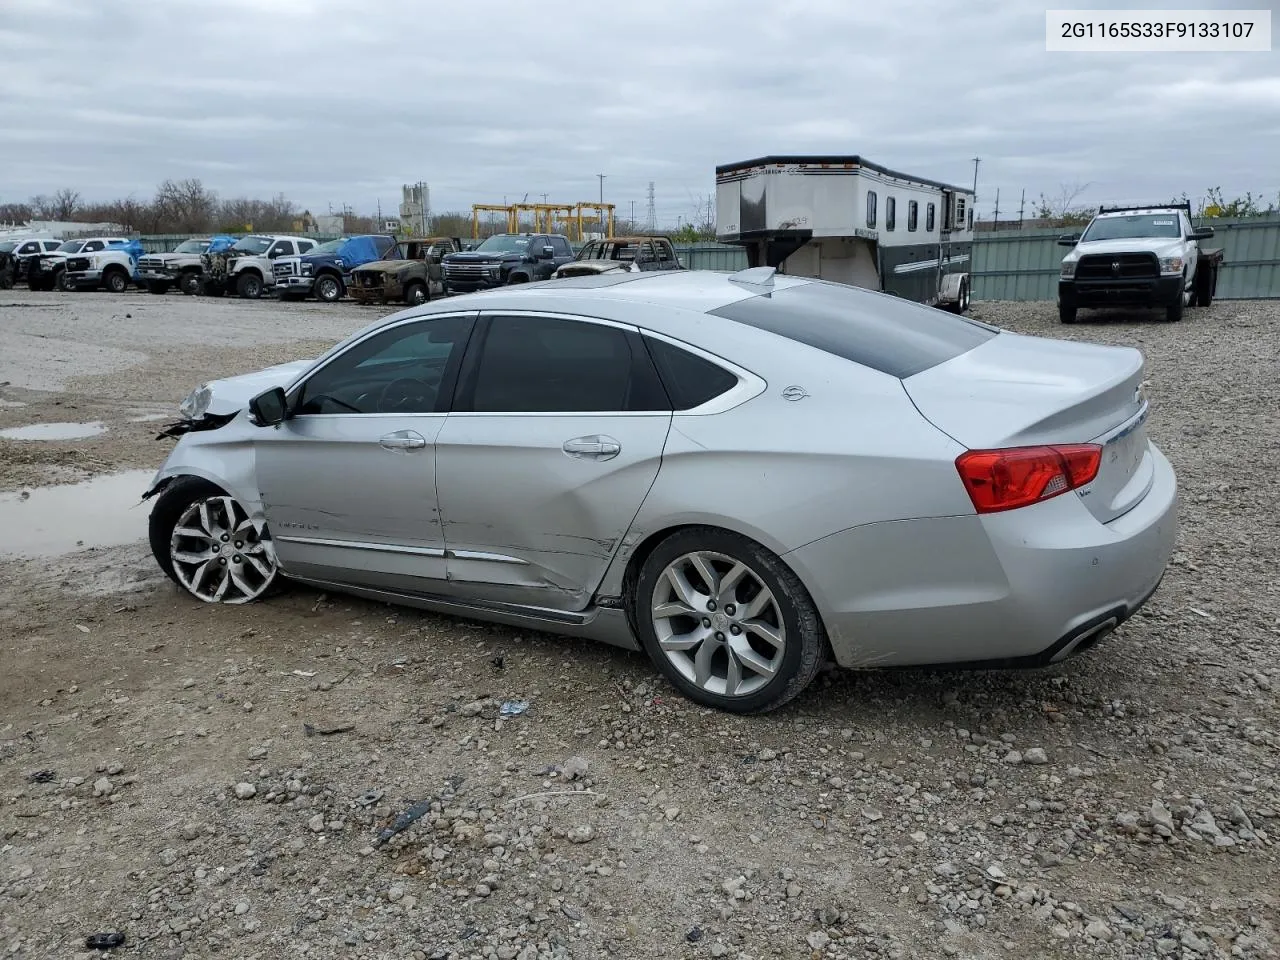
x=744 y=475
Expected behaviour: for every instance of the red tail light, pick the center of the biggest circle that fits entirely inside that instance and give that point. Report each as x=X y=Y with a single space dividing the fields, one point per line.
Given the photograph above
x=1019 y=476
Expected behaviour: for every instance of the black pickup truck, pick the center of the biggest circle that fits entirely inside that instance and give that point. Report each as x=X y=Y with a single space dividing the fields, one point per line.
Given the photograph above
x=506 y=258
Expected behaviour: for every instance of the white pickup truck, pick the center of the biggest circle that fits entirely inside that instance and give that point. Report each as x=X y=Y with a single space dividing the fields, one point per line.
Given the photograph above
x=1138 y=257
x=245 y=268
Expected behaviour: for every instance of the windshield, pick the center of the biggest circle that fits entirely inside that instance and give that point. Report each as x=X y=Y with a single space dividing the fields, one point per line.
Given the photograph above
x=252 y=245
x=8 y=246
x=1134 y=227
x=192 y=246
x=331 y=246
x=504 y=243
x=71 y=246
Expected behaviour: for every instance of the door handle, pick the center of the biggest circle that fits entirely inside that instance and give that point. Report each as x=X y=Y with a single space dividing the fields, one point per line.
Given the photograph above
x=594 y=447
x=403 y=440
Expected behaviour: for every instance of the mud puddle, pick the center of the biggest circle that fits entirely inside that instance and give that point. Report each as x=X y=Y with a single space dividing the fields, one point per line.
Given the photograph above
x=51 y=521
x=55 y=431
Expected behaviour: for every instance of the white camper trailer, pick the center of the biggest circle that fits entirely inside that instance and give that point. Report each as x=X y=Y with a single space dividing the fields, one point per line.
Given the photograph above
x=842 y=218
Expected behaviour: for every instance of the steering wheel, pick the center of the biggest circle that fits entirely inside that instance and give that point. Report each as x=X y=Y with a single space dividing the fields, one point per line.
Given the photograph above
x=406 y=390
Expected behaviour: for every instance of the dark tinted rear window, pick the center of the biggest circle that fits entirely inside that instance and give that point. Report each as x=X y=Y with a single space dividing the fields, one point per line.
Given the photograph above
x=690 y=380
x=894 y=336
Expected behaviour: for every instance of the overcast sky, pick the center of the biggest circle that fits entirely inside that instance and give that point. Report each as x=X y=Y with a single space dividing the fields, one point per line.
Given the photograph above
x=342 y=102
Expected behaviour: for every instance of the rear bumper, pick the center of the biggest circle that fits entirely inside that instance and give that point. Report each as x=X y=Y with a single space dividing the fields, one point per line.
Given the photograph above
x=1160 y=292
x=1021 y=588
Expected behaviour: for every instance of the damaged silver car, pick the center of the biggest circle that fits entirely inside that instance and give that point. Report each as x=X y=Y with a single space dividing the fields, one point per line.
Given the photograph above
x=742 y=475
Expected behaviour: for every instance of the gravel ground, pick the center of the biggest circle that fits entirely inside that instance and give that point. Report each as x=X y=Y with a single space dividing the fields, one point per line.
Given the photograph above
x=214 y=782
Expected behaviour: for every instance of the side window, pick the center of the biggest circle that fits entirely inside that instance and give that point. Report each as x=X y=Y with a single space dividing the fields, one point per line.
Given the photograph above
x=588 y=252
x=871 y=209
x=92 y=245
x=913 y=215
x=51 y=245
x=690 y=381
x=304 y=246
x=890 y=212
x=402 y=370
x=929 y=218
x=32 y=247
x=281 y=248
x=562 y=247
x=558 y=365
x=960 y=213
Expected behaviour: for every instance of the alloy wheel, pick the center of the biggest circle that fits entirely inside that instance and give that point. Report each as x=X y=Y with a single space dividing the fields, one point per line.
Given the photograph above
x=218 y=554
x=718 y=624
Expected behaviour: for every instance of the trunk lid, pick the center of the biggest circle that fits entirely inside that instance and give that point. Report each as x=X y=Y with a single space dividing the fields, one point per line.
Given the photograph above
x=1014 y=391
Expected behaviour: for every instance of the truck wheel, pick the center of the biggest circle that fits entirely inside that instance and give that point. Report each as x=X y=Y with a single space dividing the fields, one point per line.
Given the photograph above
x=249 y=286
x=517 y=278
x=328 y=288
x=416 y=293
x=61 y=282
x=962 y=298
x=189 y=283
x=1066 y=310
x=1173 y=312
x=214 y=288
x=6 y=280
x=157 y=286
x=1204 y=288
x=115 y=280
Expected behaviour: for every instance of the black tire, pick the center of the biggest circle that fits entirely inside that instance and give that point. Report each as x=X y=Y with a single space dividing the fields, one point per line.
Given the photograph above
x=962 y=298
x=249 y=286
x=159 y=287
x=60 y=282
x=1173 y=312
x=189 y=283
x=115 y=280
x=214 y=288
x=328 y=288
x=806 y=648
x=6 y=279
x=517 y=278
x=1066 y=310
x=1204 y=287
x=416 y=292
x=169 y=506
x=445 y=291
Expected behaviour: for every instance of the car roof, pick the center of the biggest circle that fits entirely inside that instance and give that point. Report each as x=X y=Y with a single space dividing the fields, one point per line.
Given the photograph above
x=1143 y=211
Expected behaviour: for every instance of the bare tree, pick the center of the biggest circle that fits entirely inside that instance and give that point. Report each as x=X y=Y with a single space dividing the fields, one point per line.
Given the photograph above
x=1062 y=210
x=185 y=206
x=15 y=212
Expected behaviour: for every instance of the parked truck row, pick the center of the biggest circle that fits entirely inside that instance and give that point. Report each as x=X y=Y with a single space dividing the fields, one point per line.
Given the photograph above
x=374 y=268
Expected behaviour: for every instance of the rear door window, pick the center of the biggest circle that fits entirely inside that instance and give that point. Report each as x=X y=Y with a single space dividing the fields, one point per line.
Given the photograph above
x=895 y=336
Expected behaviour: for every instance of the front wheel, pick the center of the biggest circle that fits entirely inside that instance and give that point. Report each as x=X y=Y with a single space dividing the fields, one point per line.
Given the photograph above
x=328 y=288
x=726 y=621
x=205 y=541
x=416 y=293
x=189 y=283
x=116 y=281
x=62 y=283
x=1173 y=312
x=249 y=286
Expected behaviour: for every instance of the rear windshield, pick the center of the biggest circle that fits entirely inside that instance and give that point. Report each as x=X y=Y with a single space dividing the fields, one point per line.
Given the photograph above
x=895 y=336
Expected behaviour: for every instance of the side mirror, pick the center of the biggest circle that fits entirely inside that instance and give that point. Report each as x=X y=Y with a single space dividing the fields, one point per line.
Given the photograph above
x=548 y=253
x=1068 y=239
x=1202 y=233
x=269 y=407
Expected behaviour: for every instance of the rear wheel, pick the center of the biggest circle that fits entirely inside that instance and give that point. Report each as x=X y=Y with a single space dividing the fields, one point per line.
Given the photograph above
x=249 y=286
x=189 y=283
x=1204 y=287
x=206 y=543
x=157 y=286
x=726 y=621
x=415 y=293
x=962 y=298
x=328 y=288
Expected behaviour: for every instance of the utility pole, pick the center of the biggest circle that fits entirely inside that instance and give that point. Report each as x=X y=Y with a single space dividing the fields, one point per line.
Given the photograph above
x=1021 y=205
x=976 y=161
x=601 y=178
x=633 y=214
x=995 y=222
